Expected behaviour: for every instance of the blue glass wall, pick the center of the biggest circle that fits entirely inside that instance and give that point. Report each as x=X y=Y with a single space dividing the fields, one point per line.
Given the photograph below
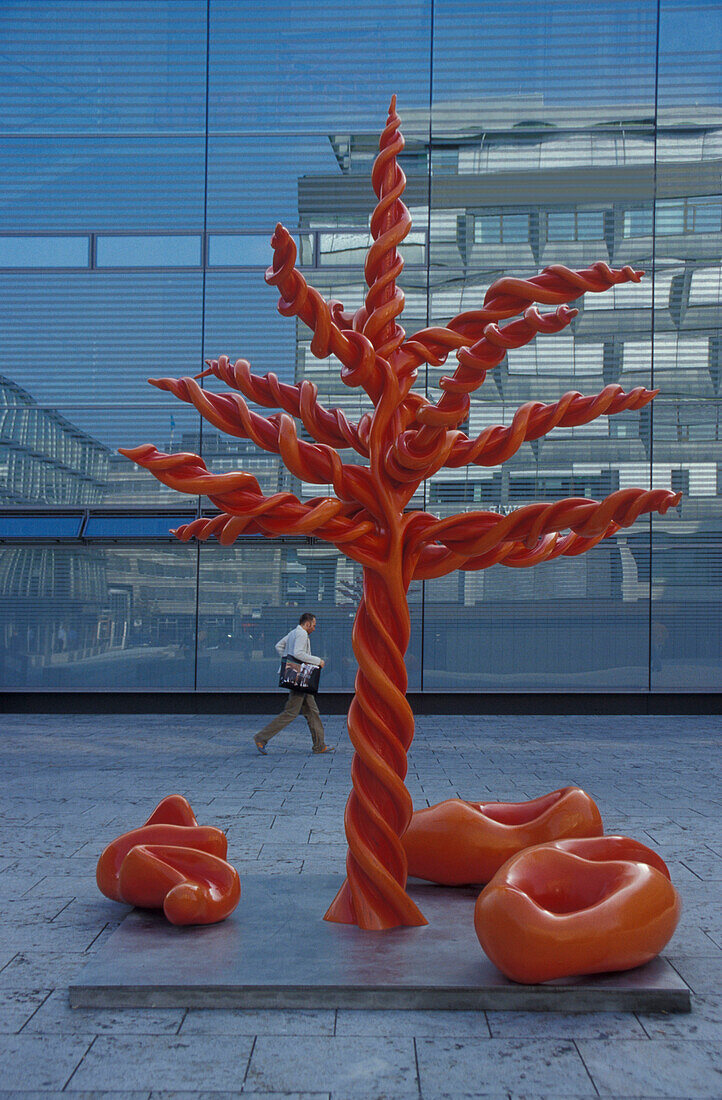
x=149 y=150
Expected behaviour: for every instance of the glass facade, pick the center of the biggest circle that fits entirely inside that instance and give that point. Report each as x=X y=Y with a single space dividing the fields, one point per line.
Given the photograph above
x=149 y=150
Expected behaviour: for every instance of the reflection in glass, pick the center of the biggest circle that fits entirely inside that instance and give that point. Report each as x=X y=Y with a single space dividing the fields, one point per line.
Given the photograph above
x=545 y=148
x=148 y=251
x=236 y=250
x=250 y=596
x=96 y=619
x=44 y=251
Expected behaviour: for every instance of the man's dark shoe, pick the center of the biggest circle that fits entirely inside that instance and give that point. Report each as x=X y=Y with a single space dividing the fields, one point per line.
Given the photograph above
x=260 y=746
x=326 y=748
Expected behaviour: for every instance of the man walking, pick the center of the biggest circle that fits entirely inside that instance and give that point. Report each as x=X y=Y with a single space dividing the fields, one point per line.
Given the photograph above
x=297 y=643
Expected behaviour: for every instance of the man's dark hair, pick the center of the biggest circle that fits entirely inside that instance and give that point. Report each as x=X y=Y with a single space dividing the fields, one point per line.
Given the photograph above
x=307 y=617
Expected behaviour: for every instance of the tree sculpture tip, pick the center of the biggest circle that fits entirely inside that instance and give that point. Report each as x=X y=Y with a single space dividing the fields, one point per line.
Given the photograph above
x=136 y=453
x=392 y=106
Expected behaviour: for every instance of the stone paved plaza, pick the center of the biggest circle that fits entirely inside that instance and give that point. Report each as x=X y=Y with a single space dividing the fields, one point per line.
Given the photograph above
x=72 y=783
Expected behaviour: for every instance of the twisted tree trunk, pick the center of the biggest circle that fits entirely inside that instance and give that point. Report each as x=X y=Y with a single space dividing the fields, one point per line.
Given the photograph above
x=381 y=728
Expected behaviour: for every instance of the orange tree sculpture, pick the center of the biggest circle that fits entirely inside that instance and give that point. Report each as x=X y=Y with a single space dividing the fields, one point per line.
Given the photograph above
x=403 y=441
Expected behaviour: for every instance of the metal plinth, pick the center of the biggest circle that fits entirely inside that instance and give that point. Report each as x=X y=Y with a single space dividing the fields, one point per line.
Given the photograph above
x=276 y=951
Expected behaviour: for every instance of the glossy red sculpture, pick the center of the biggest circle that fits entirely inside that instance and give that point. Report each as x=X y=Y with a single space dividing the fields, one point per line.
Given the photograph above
x=455 y=842
x=172 y=822
x=402 y=442
x=581 y=906
x=173 y=810
x=190 y=886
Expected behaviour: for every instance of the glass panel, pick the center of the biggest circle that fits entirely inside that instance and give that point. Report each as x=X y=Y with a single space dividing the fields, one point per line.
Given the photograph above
x=148 y=251
x=590 y=225
x=704 y=215
x=90 y=618
x=706 y=286
x=58 y=459
x=560 y=226
x=241 y=251
x=97 y=337
x=252 y=596
x=56 y=184
x=577 y=623
x=690 y=43
x=638 y=222
x=687 y=542
x=44 y=251
x=555 y=65
x=132 y=527
x=103 y=66
x=13 y=527
x=323 y=82
x=670 y=217
x=304 y=181
x=515 y=227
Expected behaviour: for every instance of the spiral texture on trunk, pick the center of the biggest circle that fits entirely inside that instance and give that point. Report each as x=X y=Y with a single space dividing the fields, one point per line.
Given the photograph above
x=381 y=727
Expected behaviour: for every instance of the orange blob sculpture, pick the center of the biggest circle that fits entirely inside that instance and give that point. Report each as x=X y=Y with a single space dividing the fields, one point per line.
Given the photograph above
x=579 y=906
x=190 y=886
x=456 y=843
x=172 y=863
x=404 y=440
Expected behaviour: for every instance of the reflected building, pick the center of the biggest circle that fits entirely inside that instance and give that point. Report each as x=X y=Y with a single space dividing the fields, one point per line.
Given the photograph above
x=44 y=458
x=513 y=193
x=128 y=268
x=513 y=187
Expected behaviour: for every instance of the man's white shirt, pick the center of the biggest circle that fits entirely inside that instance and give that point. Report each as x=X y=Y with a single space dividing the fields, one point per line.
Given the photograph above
x=297 y=643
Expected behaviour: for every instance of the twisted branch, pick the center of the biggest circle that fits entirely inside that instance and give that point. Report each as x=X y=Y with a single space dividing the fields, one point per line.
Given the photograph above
x=353 y=349
x=506 y=297
x=476 y=533
x=390 y=224
x=437 y=561
x=416 y=453
x=497 y=443
x=314 y=462
x=328 y=426
x=239 y=495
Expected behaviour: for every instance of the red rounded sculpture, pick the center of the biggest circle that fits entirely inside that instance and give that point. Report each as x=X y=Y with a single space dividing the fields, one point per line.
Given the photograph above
x=190 y=886
x=404 y=441
x=579 y=906
x=174 y=864
x=456 y=843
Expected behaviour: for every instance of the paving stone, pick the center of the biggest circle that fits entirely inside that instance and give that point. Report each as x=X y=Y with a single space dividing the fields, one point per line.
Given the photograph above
x=166 y=1063
x=702 y=975
x=17 y=1006
x=419 y=1023
x=246 y=1095
x=658 y=1068
x=358 y=1068
x=495 y=1067
x=564 y=1025
x=40 y=969
x=625 y=764
x=52 y=1095
x=703 y=1022
x=39 y=1062
x=47 y=936
x=57 y=1017
x=258 y=1022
